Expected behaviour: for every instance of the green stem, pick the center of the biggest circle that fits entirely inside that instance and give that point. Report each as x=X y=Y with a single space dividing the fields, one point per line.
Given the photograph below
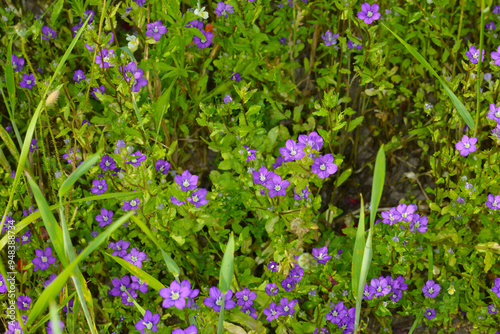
x=478 y=78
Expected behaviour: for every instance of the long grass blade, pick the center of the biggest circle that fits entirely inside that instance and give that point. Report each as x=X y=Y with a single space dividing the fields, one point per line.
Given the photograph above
x=47 y=317
x=454 y=99
x=359 y=247
x=55 y=287
x=54 y=317
x=141 y=274
x=82 y=169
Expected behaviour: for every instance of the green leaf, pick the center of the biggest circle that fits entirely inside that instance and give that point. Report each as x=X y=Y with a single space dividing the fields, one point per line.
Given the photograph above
x=56 y=286
x=354 y=123
x=56 y=11
x=378 y=184
x=357 y=254
x=82 y=169
x=152 y=282
x=4 y=135
x=456 y=102
x=343 y=177
x=226 y=270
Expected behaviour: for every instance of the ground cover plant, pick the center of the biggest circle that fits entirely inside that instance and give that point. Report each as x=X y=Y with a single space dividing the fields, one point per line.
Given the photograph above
x=239 y=166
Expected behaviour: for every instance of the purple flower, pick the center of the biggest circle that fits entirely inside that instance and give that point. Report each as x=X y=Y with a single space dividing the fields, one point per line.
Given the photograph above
x=286 y=307
x=473 y=55
x=396 y=295
x=271 y=289
x=14 y=328
x=492 y=309
x=138 y=284
x=17 y=63
x=129 y=300
x=25 y=238
x=52 y=277
x=33 y=145
x=198 y=197
x=431 y=289
x=491 y=26
x=321 y=254
x=203 y=43
x=28 y=81
x=260 y=176
x=276 y=186
x=69 y=306
x=176 y=201
x=419 y=223
x=135 y=257
x=112 y=38
x=250 y=153
x=496 y=287
x=272 y=266
x=162 y=166
x=351 y=45
x=138 y=158
x=283 y=40
x=405 y=212
x=107 y=163
x=391 y=217
x=222 y=9
x=245 y=298
x=227 y=98
x=120 y=248
x=190 y=330
x=186 y=181
x=337 y=313
x=23 y=302
x=155 y=30
x=140 y=3
x=131 y=205
x=137 y=81
x=78 y=76
x=215 y=299
x=305 y=194
x=236 y=77
x=100 y=90
x=292 y=150
x=88 y=13
x=43 y=259
x=8 y=128
x=313 y=140
x=323 y=166
x=103 y=58
x=192 y=294
x=288 y=284
x=195 y=24
x=493 y=202
x=51 y=324
x=272 y=312
x=296 y=273
x=48 y=33
x=378 y=287
x=94 y=233
x=495 y=55
x=494 y=113
x=99 y=187
x=496 y=10
x=120 y=286
x=175 y=295
x=466 y=146
x=148 y=322
x=330 y=38
x=430 y=313
x=369 y=13
x=105 y=218
x=250 y=311
x=279 y=162
x=8 y=224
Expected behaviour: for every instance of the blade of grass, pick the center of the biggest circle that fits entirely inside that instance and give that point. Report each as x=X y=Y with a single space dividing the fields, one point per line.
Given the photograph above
x=56 y=286
x=47 y=317
x=226 y=270
x=54 y=317
x=220 y=325
x=430 y=262
x=34 y=119
x=454 y=99
x=4 y=135
x=82 y=169
x=479 y=76
x=172 y=267
x=359 y=246
x=417 y=321
x=377 y=189
x=152 y=282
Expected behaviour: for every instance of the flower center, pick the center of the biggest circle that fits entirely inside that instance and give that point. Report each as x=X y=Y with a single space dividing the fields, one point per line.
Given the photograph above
x=134 y=258
x=245 y=298
x=162 y=168
x=25 y=305
x=369 y=14
x=467 y=145
x=404 y=215
x=106 y=59
x=218 y=302
x=262 y=177
x=391 y=217
x=155 y=29
x=320 y=256
x=123 y=288
x=286 y=308
x=133 y=203
x=293 y=152
x=148 y=325
x=379 y=289
x=277 y=187
x=107 y=163
x=100 y=187
x=322 y=167
x=26 y=238
x=43 y=258
x=335 y=313
x=185 y=183
x=195 y=199
x=431 y=290
x=28 y=82
x=494 y=203
x=175 y=295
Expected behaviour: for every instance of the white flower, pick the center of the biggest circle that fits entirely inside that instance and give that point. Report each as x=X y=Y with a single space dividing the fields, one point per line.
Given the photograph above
x=58 y=174
x=133 y=43
x=201 y=12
